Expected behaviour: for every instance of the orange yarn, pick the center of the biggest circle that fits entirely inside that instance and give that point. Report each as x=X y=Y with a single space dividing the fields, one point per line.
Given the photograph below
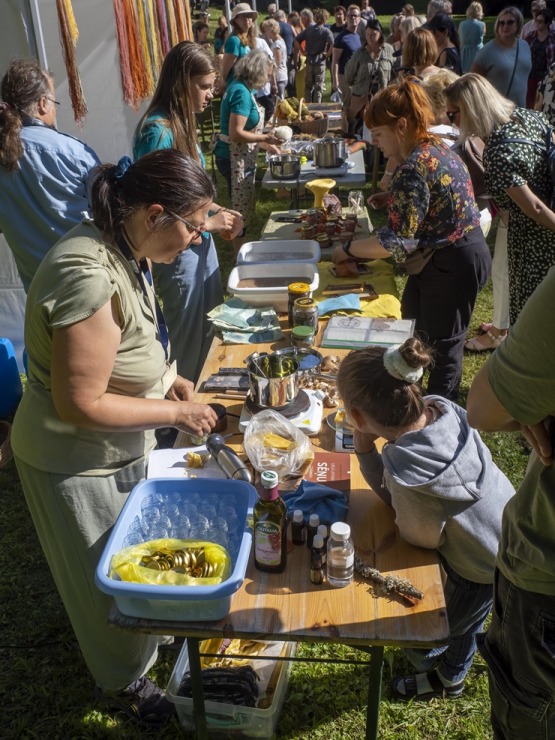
x=68 y=38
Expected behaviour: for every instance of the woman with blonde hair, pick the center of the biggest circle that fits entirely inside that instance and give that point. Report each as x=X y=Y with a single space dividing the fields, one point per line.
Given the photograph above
x=434 y=85
x=433 y=228
x=241 y=41
x=420 y=53
x=279 y=51
x=506 y=60
x=471 y=34
x=516 y=175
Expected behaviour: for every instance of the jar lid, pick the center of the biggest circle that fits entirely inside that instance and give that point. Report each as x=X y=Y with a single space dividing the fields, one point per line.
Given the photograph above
x=340 y=531
x=302 y=332
x=298 y=288
x=305 y=303
x=318 y=541
x=269 y=479
x=314 y=520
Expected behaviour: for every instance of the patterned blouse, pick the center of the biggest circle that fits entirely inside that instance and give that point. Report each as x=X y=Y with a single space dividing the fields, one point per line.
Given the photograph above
x=431 y=203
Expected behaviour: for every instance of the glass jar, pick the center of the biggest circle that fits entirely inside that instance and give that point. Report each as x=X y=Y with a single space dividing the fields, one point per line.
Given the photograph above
x=295 y=290
x=302 y=337
x=305 y=313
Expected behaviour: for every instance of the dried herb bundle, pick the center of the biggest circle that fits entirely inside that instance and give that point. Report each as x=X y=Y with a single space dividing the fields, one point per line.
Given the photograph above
x=390 y=583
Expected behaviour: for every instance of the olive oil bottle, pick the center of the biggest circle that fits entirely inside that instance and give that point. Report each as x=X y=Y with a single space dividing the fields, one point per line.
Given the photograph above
x=270 y=526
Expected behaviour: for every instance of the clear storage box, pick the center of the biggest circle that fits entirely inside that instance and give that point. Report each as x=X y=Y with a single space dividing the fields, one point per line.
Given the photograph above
x=229 y=719
x=180 y=603
x=265 y=283
x=279 y=250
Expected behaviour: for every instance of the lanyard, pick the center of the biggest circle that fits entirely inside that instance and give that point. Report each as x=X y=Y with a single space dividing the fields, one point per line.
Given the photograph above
x=142 y=271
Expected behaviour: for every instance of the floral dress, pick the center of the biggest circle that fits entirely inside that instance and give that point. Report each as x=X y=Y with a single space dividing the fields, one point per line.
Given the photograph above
x=531 y=247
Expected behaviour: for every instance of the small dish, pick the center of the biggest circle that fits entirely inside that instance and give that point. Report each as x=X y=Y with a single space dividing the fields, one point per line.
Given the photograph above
x=342 y=422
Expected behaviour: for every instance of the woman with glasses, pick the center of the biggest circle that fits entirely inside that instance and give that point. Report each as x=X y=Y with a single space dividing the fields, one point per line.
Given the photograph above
x=433 y=228
x=517 y=177
x=506 y=61
x=542 y=48
x=99 y=384
x=43 y=172
x=191 y=285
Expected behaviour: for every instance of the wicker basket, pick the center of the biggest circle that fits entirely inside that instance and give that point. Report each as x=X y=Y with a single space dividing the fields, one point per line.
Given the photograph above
x=317 y=127
x=6 y=453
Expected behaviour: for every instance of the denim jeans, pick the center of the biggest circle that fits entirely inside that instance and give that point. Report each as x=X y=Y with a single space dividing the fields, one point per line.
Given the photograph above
x=468 y=605
x=519 y=648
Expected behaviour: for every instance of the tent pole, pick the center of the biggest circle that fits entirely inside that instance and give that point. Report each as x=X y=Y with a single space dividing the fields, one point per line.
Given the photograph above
x=40 y=48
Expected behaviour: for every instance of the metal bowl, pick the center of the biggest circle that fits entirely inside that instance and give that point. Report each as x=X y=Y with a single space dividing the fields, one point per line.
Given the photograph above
x=285 y=166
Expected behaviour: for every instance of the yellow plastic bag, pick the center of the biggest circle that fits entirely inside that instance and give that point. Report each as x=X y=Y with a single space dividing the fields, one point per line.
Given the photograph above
x=126 y=564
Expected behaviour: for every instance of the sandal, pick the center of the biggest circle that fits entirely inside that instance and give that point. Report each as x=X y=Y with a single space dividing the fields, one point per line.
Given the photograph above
x=423 y=687
x=476 y=343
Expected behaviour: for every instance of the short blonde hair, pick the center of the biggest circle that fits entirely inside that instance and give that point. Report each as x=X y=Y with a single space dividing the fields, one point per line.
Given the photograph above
x=475 y=10
x=270 y=24
x=482 y=108
x=516 y=14
x=434 y=86
x=408 y=24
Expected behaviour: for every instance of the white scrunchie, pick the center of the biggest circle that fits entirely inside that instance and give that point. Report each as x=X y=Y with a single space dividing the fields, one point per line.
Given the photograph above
x=397 y=367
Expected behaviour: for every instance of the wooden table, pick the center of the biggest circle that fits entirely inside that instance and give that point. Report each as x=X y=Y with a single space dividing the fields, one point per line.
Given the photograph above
x=287 y=606
x=354 y=177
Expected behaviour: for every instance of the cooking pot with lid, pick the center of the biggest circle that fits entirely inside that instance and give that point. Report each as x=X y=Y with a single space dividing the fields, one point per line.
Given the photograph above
x=328 y=152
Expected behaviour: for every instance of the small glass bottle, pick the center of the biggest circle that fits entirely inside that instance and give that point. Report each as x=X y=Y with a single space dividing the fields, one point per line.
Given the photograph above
x=295 y=290
x=305 y=313
x=302 y=337
x=323 y=530
x=318 y=561
x=312 y=529
x=270 y=526
x=298 y=531
x=341 y=556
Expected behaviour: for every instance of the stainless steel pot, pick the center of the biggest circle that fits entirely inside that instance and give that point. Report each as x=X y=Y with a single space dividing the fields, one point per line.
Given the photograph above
x=329 y=152
x=273 y=380
x=309 y=359
x=285 y=166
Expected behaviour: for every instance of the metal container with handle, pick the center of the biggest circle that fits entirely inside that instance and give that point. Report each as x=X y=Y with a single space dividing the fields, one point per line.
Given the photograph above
x=329 y=152
x=285 y=166
x=273 y=380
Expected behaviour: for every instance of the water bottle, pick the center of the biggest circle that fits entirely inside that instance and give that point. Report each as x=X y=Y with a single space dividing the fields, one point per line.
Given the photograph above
x=341 y=556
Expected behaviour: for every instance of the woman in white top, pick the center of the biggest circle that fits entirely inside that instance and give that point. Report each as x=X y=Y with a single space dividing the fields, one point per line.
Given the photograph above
x=279 y=50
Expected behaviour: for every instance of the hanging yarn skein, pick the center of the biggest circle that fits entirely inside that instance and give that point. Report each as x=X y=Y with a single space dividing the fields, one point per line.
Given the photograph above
x=68 y=37
x=145 y=31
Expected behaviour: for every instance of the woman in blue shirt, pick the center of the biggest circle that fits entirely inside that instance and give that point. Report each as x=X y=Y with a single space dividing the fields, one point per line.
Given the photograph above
x=191 y=286
x=471 y=34
x=241 y=41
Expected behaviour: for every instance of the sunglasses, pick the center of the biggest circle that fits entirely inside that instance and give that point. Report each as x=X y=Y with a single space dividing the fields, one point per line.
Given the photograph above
x=506 y=23
x=197 y=233
x=452 y=114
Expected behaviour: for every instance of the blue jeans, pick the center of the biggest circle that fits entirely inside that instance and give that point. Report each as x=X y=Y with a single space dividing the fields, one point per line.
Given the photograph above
x=189 y=288
x=519 y=648
x=468 y=605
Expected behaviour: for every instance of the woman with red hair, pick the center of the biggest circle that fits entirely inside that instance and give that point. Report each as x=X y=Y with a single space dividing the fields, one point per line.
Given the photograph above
x=433 y=228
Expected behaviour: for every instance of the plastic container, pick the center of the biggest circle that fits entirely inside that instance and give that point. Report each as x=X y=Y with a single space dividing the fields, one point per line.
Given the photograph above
x=181 y=603
x=11 y=389
x=229 y=719
x=280 y=250
x=275 y=295
x=340 y=556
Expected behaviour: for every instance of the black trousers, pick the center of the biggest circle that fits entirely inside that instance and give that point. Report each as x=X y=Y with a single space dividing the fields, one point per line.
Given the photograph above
x=441 y=299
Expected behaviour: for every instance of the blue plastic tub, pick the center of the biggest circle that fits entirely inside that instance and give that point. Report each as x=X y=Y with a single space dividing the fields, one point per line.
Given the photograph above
x=181 y=603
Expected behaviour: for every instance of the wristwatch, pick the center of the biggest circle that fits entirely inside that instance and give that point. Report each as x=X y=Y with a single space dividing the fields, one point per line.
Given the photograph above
x=347 y=247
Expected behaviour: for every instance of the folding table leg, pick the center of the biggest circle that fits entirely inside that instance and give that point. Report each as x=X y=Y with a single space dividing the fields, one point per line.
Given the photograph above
x=201 y=729
x=374 y=692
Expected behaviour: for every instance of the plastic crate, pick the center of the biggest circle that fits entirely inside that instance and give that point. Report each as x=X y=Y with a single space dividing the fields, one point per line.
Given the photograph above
x=279 y=251
x=276 y=295
x=229 y=719
x=181 y=603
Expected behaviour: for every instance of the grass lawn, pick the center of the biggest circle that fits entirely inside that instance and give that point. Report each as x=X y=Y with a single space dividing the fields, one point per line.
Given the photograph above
x=47 y=691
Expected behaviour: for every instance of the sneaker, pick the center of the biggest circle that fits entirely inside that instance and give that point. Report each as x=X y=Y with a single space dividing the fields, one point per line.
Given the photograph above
x=423 y=687
x=142 y=701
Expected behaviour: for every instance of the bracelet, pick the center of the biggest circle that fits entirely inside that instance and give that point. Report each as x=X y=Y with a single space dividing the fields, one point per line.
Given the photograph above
x=390 y=174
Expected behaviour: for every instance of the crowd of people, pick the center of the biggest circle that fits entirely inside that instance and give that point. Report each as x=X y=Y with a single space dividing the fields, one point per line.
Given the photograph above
x=96 y=245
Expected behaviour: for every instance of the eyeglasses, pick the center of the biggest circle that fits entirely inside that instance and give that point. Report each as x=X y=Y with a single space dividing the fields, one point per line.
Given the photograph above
x=452 y=114
x=197 y=233
x=56 y=102
x=353 y=15
x=512 y=22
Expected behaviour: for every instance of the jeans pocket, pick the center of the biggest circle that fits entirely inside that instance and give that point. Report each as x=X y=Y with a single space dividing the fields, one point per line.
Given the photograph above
x=548 y=635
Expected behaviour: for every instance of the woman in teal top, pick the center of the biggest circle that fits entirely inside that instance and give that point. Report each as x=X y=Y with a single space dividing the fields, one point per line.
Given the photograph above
x=241 y=124
x=241 y=41
x=191 y=286
x=471 y=35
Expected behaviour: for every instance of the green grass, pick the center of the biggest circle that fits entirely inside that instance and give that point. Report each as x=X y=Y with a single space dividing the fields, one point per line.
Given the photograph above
x=46 y=688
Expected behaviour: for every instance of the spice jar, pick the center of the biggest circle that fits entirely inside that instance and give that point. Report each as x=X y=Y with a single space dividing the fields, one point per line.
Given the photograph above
x=296 y=290
x=302 y=337
x=305 y=313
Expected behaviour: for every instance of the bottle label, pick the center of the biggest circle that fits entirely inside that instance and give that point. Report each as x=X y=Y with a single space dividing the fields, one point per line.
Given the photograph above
x=267 y=543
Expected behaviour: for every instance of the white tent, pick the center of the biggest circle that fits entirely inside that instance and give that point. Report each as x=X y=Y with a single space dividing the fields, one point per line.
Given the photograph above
x=30 y=28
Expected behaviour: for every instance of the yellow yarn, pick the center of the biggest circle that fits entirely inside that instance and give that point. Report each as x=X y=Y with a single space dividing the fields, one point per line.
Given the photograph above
x=72 y=25
x=146 y=49
x=172 y=23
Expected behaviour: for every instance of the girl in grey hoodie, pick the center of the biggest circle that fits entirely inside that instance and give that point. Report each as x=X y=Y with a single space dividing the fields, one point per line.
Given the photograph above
x=447 y=493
